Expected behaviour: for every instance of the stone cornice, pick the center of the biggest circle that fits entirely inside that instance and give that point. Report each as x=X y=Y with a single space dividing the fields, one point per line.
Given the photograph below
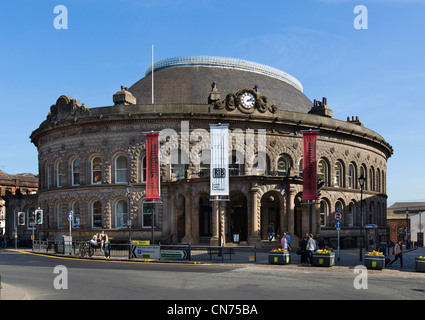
x=160 y=113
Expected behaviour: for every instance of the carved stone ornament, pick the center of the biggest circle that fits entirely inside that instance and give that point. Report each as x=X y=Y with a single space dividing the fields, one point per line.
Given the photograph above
x=246 y=101
x=66 y=108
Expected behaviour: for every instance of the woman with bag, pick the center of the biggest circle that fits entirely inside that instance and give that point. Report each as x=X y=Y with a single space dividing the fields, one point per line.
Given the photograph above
x=397 y=251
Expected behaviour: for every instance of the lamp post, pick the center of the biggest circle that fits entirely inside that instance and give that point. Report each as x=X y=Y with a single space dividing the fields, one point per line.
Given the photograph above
x=362 y=181
x=128 y=189
x=407 y=228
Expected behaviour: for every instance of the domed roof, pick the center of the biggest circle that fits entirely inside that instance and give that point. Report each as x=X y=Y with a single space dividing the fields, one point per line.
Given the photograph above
x=188 y=80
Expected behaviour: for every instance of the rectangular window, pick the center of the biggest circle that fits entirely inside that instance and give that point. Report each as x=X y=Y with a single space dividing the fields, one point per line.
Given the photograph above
x=147 y=215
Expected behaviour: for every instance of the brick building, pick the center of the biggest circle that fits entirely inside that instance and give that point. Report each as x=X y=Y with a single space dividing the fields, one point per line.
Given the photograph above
x=403 y=221
x=12 y=185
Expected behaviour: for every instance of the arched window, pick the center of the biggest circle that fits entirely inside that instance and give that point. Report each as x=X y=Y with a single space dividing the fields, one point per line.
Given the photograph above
x=76 y=216
x=282 y=166
x=96 y=170
x=322 y=171
x=96 y=213
x=349 y=218
x=371 y=179
x=339 y=206
x=363 y=172
x=324 y=212
x=300 y=167
x=121 y=214
x=58 y=174
x=121 y=169
x=179 y=164
x=351 y=176
x=204 y=164
x=259 y=167
x=338 y=175
x=237 y=164
x=75 y=169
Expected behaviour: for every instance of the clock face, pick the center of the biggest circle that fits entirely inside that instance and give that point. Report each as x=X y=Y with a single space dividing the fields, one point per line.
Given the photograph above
x=248 y=100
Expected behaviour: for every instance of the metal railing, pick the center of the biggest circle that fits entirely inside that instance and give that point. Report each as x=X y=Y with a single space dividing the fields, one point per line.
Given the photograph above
x=124 y=251
x=226 y=63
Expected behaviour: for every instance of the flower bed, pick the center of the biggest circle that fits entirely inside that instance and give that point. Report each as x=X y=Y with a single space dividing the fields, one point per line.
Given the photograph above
x=323 y=258
x=420 y=264
x=279 y=256
x=374 y=260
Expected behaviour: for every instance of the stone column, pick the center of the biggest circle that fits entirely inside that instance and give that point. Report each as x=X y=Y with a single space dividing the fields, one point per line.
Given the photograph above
x=214 y=218
x=290 y=210
x=254 y=228
x=188 y=215
x=195 y=220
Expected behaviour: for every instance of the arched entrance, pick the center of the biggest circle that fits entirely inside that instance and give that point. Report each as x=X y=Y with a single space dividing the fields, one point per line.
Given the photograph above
x=237 y=217
x=270 y=214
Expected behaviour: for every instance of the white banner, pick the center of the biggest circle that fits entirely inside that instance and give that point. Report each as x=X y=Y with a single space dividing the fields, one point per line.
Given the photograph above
x=219 y=165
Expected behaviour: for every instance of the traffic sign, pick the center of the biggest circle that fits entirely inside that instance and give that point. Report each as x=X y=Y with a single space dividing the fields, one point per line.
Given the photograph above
x=70 y=216
x=174 y=254
x=338 y=215
x=338 y=225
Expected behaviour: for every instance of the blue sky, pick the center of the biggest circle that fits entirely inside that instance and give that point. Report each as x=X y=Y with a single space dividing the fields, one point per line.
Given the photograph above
x=377 y=74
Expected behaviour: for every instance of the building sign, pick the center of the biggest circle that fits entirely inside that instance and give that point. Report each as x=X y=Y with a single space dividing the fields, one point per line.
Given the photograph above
x=219 y=166
x=153 y=190
x=309 y=166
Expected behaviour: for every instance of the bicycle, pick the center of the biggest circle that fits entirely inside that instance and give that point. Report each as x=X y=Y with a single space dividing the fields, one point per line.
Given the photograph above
x=85 y=249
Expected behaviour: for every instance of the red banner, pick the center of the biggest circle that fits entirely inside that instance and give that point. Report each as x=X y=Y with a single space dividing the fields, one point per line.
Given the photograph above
x=153 y=190
x=309 y=166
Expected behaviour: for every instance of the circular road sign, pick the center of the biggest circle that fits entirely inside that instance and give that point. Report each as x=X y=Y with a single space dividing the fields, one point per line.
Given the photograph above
x=337 y=215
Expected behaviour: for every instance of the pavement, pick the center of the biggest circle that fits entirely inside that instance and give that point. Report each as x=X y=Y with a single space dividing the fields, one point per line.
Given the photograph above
x=348 y=259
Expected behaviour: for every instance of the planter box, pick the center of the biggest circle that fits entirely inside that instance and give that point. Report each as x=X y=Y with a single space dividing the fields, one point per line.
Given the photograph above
x=323 y=259
x=279 y=257
x=374 y=262
x=420 y=264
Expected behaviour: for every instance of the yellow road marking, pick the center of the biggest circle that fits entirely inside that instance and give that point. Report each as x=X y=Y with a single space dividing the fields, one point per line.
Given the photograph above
x=107 y=260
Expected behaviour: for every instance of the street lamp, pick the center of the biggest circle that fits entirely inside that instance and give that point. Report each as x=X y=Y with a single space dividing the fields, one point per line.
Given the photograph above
x=362 y=181
x=407 y=228
x=128 y=189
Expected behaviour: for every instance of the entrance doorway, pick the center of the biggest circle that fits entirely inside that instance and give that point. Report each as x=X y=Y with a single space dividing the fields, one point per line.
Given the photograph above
x=270 y=214
x=237 y=222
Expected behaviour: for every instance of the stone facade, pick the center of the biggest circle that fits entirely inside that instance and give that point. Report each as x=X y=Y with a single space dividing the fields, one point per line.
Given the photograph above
x=88 y=156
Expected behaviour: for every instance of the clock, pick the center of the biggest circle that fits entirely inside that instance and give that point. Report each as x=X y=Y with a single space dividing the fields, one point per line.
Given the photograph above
x=248 y=100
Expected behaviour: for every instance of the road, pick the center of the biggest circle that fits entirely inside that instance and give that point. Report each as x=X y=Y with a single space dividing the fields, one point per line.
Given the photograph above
x=111 y=280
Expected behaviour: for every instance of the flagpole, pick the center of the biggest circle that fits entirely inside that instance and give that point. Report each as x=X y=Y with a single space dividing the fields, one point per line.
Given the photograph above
x=152 y=78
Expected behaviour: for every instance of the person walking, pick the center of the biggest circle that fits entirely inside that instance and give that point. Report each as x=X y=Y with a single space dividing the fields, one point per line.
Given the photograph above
x=270 y=233
x=311 y=247
x=288 y=237
x=398 y=254
x=284 y=243
x=303 y=249
x=106 y=245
